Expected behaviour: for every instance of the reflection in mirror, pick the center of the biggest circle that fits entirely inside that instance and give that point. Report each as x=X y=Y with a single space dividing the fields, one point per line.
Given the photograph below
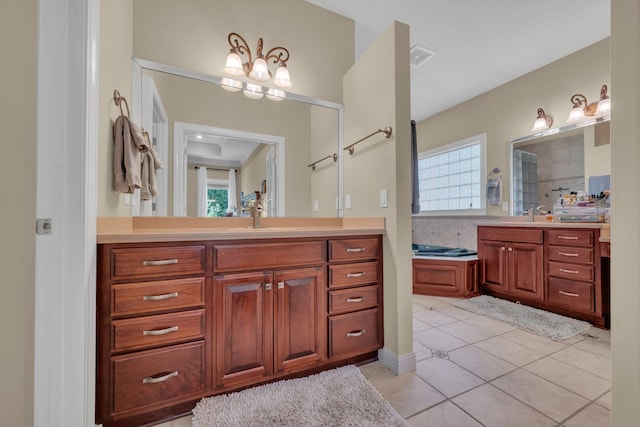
x=545 y=166
x=269 y=144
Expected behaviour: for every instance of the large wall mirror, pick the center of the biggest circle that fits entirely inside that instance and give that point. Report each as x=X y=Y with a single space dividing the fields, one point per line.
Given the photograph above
x=265 y=146
x=547 y=165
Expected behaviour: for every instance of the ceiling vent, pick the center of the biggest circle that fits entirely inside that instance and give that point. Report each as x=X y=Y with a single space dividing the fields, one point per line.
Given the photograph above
x=419 y=54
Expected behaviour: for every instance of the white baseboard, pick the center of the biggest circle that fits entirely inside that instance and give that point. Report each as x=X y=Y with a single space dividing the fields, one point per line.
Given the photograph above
x=398 y=364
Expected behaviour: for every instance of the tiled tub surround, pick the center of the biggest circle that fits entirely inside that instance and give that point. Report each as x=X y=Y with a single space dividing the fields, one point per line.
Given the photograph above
x=455 y=232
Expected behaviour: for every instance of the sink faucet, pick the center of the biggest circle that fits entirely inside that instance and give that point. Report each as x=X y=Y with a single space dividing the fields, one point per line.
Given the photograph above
x=254 y=207
x=539 y=210
x=530 y=214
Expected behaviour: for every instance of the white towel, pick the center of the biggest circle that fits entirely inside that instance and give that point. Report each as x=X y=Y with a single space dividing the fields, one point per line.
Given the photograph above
x=494 y=191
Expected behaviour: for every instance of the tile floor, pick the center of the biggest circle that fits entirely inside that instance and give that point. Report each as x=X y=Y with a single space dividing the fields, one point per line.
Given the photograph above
x=475 y=371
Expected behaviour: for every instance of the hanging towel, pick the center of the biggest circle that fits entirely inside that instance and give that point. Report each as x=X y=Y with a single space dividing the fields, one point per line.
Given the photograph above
x=129 y=144
x=494 y=191
x=150 y=164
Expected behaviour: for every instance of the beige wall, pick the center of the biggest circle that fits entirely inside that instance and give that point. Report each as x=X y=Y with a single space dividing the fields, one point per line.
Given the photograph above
x=115 y=73
x=380 y=163
x=18 y=40
x=508 y=112
x=254 y=171
x=324 y=142
x=625 y=227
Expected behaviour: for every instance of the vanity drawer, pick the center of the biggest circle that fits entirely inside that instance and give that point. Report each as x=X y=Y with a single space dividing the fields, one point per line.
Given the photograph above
x=353 y=249
x=129 y=263
x=569 y=237
x=353 y=274
x=267 y=255
x=353 y=299
x=571 y=254
x=163 y=329
x=353 y=332
x=157 y=377
x=148 y=297
x=571 y=271
x=575 y=295
x=510 y=234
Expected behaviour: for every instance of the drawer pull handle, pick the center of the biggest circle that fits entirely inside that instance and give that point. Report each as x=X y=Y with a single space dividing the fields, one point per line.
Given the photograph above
x=160 y=331
x=569 y=294
x=568 y=237
x=356 y=334
x=564 y=270
x=567 y=254
x=358 y=299
x=160 y=262
x=152 y=380
x=160 y=297
x=352 y=275
x=354 y=250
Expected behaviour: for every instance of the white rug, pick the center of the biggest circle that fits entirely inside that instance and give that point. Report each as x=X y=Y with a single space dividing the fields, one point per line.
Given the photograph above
x=539 y=322
x=339 y=397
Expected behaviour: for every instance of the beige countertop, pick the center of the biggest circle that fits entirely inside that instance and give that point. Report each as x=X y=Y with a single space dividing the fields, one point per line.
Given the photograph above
x=173 y=229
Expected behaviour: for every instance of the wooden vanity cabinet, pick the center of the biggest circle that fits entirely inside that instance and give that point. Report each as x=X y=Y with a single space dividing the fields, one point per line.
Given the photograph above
x=512 y=261
x=269 y=323
x=177 y=322
x=556 y=269
x=152 y=325
x=355 y=297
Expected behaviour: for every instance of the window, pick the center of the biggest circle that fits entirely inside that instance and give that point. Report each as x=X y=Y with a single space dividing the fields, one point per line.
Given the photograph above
x=451 y=178
x=217 y=197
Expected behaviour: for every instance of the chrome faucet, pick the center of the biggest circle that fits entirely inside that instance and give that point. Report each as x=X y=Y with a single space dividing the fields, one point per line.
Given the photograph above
x=539 y=210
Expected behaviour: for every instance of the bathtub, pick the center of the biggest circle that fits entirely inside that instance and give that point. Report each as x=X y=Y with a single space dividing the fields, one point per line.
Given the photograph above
x=440 y=251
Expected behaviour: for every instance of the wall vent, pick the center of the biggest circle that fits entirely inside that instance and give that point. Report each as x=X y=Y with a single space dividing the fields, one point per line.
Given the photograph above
x=419 y=54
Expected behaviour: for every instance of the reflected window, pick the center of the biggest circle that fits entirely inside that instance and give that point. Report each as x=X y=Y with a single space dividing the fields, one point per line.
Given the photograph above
x=217 y=198
x=451 y=177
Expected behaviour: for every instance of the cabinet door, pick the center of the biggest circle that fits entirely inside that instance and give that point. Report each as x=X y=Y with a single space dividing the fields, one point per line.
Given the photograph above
x=494 y=265
x=300 y=318
x=244 y=327
x=525 y=270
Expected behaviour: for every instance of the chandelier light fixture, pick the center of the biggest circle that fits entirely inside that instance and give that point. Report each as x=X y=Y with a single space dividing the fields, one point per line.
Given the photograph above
x=543 y=121
x=581 y=109
x=256 y=69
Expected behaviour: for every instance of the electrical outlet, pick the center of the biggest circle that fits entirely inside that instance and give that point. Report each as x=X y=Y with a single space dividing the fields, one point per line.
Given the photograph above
x=316 y=206
x=505 y=206
x=347 y=201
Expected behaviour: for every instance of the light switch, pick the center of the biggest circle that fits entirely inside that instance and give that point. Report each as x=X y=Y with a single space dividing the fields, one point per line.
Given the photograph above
x=316 y=206
x=505 y=206
x=383 y=198
x=347 y=201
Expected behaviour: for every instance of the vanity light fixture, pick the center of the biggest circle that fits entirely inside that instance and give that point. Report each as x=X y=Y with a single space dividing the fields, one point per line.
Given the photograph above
x=581 y=109
x=543 y=121
x=256 y=69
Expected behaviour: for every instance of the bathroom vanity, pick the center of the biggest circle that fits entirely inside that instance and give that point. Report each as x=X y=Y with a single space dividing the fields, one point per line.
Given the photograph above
x=186 y=310
x=554 y=267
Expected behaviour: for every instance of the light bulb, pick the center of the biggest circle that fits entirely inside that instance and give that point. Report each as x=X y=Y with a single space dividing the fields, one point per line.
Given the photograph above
x=260 y=71
x=540 y=124
x=276 y=94
x=253 y=91
x=230 y=85
x=576 y=115
x=233 y=66
x=282 y=78
x=604 y=107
